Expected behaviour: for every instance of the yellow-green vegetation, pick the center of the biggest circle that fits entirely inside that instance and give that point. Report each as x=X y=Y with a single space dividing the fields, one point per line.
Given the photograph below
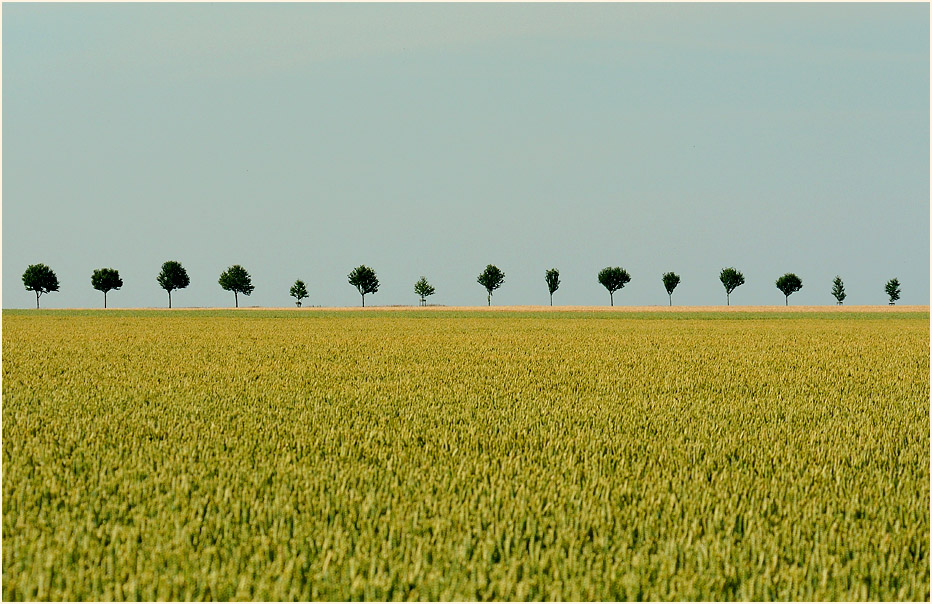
x=426 y=455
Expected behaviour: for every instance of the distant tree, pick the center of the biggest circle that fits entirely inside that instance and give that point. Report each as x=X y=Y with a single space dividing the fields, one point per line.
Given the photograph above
x=423 y=289
x=613 y=279
x=553 y=282
x=789 y=284
x=237 y=280
x=363 y=279
x=299 y=292
x=173 y=276
x=491 y=279
x=893 y=290
x=670 y=281
x=106 y=279
x=838 y=289
x=731 y=279
x=40 y=279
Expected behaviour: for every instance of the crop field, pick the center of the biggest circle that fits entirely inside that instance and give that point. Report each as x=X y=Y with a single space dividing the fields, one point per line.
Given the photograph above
x=300 y=455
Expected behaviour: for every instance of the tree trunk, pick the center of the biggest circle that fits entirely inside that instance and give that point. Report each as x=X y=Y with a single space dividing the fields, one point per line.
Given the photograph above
x=363 y=300
x=105 y=299
x=727 y=299
x=551 y=299
x=787 y=301
x=671 y=298
x=490 y=299
x=169 y=298
x=236 y=299
x=611 y=298
x=37 y=298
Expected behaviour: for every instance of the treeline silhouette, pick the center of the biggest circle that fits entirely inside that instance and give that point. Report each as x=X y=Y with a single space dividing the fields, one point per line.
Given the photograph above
x=41 y=279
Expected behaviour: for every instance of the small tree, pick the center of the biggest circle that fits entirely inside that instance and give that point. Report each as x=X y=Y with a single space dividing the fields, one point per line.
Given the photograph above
x=237 y=280
x=173 y=276
x=491 y=279
x=838 y=290
x=789 y=284
x=731 y=279
x=299 y=292
x=670 y=281
x=423 y=289
x=553 y=282
x=893 y=290
x=106 y=279
x=40 y=279
x=363 y=279
x=613 y=279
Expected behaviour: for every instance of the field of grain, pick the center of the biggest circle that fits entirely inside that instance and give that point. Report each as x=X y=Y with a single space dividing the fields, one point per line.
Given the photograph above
x=465 y=455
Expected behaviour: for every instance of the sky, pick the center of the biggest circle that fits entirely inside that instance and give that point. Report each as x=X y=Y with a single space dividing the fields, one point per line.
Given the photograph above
x=302 y=140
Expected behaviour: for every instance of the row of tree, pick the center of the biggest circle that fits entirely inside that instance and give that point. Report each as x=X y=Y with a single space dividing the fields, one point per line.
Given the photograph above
x=41 y=279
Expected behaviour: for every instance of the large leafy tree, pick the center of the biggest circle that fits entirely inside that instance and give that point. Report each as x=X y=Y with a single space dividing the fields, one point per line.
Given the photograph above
x=893 y=290
x=731 y=279
x=172 y=277
x=553 y=282
x=364 y=280
x=423 y=289
x=613 y=279
x=789 y=284
x=236 y=279
x=838 y=290
x=491 y=279
x=106 y=279
x=41 y=279
x=670 y=281
x=298 y=292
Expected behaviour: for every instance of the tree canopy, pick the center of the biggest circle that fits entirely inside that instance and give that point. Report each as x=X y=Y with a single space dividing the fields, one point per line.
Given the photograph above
x=491 y=279
x=106 y=279
x=731 y=279
x=613 y=279
x=838 y=290
x=41 y=279
x=172 y=277
x=298 y=291
x=893 y=290
x=236 y=279
x=670 y=281
x=423 y=289
x=553 y=282
x=789 y=284
x=364 y=280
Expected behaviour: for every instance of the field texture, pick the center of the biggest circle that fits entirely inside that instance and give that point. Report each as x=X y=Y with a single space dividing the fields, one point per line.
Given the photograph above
x=465 y=455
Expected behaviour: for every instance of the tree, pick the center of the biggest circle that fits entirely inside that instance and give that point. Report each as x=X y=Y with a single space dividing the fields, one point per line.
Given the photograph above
x=670 y=281
x=106 y=279
x=40 y=279
x=363 y=279
x=893 y=290
x=613 y=279
x=237 y=280
x=173 y=276
x=299 y=292
x=491 y=279
x=423 y=289
x=789 y=284
x=838 y=289
x=553 y=282
x=731 y=279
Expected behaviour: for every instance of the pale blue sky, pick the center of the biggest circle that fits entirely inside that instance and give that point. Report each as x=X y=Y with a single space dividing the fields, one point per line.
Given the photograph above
x=301 y=140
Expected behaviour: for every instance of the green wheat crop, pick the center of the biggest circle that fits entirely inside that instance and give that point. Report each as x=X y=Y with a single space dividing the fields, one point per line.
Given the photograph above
x=302 y=456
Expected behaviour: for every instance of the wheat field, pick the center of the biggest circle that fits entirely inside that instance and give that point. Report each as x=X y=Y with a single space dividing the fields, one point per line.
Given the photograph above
x=450 y=455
